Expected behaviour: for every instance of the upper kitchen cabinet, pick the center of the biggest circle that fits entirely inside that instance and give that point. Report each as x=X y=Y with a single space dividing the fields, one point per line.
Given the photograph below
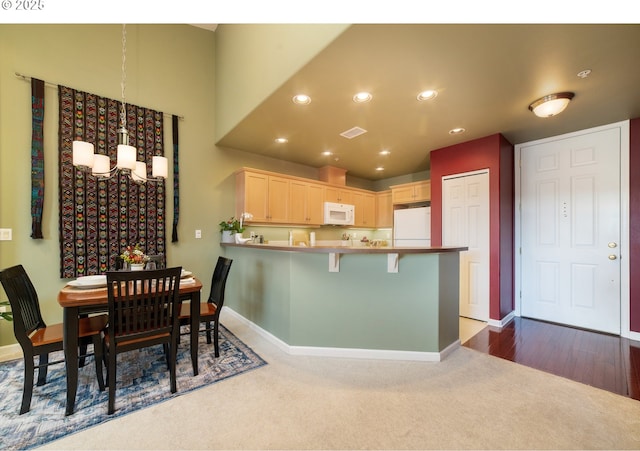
x=409 y=193
x=338 y=195
x=384 y=209
x=264 y=196
x=365 y=209
x=306 y=202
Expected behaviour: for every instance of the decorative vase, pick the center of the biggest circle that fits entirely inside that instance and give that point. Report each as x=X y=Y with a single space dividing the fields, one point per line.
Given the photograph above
x=240 y=240
x=227 y=236
x=137 y=266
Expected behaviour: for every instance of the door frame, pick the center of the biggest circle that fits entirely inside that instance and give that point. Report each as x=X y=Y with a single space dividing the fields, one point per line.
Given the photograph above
x=625 y=298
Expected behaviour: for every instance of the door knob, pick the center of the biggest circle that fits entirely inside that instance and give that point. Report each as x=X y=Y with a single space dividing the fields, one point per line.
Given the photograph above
x=612 y=245
x=612 y=257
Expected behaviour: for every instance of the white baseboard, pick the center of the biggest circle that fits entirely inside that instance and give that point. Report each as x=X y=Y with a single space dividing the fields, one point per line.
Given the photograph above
x=502 y=322
x=380 y=354
x=10 y=352
x=634 y=336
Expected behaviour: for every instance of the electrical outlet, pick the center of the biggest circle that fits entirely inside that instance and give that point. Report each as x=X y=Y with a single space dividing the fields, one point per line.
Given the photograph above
x=198 y=233
x=5 y=234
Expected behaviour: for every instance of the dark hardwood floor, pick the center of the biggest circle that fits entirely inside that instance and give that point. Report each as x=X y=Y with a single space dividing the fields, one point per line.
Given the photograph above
x=605 y=361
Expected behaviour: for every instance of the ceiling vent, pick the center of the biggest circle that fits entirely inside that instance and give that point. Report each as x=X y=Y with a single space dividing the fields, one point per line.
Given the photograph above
x=353 y=132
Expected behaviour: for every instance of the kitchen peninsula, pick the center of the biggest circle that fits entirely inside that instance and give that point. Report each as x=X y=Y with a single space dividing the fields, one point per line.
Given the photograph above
x=386 y=302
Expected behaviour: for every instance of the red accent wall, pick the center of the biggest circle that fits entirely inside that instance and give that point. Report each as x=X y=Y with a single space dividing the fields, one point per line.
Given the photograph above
x=496 y=154
x=634 y=225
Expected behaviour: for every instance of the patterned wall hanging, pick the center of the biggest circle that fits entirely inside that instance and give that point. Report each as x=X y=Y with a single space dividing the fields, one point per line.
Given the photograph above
x=37 y=157
x=99 y=218
x=176 y=185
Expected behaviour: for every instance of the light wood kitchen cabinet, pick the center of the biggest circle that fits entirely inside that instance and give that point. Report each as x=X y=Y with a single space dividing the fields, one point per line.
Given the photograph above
x=338 y=195
x=280 y=199
x=411 y=192
x=365 y=209
x=265 y=197
x=384 y=209
x=306 y=203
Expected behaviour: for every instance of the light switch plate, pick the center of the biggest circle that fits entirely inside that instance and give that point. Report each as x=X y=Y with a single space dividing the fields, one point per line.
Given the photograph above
x=198 y=233
x=5 y=234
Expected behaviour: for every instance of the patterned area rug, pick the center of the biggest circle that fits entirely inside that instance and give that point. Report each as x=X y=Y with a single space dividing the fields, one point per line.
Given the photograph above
x=142 y=380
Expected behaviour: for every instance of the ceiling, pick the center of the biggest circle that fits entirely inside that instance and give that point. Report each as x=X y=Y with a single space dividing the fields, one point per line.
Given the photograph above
x=485 y=75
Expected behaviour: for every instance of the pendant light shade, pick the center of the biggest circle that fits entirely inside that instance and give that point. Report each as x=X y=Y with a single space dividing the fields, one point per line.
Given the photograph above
x=160 y=167
x=126 y=157
x=551 y=104
x=82 y=154
x=139 y=174
x=101 y=165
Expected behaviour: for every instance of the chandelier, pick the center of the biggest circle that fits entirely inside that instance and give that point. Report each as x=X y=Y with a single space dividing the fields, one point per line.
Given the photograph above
x=98 y=165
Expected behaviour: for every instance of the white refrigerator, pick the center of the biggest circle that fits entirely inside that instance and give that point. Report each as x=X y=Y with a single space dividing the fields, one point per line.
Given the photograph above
x=412 y=227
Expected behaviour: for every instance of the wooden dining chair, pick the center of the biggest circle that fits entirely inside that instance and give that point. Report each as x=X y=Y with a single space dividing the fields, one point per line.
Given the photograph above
x=143 y=312
x=36 y=338
x=210 y=310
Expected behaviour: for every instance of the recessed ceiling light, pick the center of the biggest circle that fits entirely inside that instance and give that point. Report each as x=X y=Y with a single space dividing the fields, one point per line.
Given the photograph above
x=327 y=153
x=379 y=168
x=362 y=97
x=281 y=140
x=427 y=95
x=456 y=131
x=384 y=152
x=301 y=99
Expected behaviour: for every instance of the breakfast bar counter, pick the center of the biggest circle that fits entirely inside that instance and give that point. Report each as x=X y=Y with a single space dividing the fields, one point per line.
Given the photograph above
x=380 y=302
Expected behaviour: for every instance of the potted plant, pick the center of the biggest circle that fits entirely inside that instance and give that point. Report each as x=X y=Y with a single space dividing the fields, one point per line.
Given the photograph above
x=135 y=257
x=229 y=228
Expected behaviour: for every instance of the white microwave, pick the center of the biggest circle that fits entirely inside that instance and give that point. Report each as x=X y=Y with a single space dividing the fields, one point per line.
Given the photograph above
x=339 y=214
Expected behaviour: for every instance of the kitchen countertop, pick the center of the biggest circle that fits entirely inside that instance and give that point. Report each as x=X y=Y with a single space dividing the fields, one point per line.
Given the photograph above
x=350 y=249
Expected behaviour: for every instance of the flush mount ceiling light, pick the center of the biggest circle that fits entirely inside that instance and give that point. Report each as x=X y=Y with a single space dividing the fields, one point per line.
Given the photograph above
x=281 y=140
x=427 y=95
x=362 y=97
x=99 y=165
x=327 y=153
x=384 y=152
x=301 y=99
x=551 y=104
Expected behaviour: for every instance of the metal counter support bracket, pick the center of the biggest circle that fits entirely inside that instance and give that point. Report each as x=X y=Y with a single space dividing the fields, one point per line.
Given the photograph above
x=392 y=262
x=334 y=262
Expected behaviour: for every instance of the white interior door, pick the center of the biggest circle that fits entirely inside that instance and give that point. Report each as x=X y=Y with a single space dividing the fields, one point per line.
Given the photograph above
x=465 y=222
x=570 y=231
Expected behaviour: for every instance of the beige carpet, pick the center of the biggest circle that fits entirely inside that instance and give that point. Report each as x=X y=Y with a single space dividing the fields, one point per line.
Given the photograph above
x=468 y=401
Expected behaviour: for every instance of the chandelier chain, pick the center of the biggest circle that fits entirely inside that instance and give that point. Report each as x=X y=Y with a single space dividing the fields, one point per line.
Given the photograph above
x=123 y=82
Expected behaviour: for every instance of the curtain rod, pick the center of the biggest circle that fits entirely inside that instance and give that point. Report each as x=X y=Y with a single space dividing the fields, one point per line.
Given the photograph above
x=53 y=85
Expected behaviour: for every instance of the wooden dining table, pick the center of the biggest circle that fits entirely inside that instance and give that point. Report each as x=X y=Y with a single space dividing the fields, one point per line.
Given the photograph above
x=77 y=301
